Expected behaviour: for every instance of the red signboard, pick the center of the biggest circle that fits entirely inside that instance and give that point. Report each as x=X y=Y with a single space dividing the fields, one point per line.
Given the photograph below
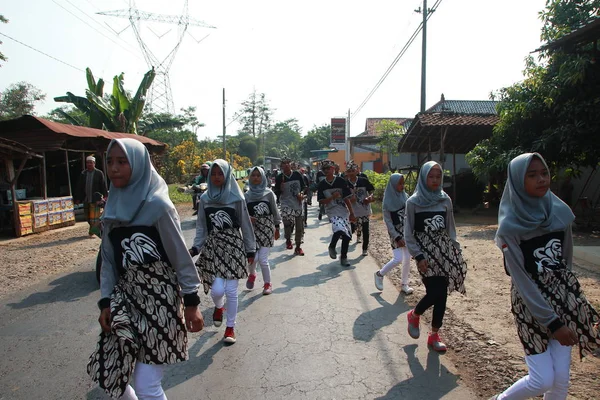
x=338 y=130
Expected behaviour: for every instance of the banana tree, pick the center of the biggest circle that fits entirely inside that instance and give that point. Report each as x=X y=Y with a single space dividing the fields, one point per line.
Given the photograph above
x=116 y=112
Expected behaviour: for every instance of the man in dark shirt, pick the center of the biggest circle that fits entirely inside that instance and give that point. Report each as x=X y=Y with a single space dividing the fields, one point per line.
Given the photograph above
x=91 y=191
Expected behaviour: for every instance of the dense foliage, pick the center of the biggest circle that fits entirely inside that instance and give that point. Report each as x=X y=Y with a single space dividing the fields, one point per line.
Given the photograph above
x=554 y=109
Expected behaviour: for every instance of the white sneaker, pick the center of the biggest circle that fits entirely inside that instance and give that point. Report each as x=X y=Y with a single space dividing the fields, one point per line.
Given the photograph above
x=378 y=281
x=365 y=253
x=407 y=289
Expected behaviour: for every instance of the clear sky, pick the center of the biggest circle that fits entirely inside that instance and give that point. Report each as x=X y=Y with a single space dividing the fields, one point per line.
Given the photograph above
x=314 y=59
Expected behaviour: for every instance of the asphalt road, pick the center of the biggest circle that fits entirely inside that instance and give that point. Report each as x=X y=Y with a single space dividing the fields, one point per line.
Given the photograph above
x=324 y=333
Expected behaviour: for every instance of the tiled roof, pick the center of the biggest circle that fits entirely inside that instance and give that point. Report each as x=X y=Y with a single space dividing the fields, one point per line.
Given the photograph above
x=449 y=119
x=460 y=124
x=371 y=123
x=464 y=107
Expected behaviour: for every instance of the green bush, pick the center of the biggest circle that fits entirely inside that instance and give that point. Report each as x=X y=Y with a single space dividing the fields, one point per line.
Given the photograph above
x=380 y=181
x=177 y=197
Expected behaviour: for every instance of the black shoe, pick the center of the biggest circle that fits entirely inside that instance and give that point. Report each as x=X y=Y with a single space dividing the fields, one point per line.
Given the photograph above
x=195 y=213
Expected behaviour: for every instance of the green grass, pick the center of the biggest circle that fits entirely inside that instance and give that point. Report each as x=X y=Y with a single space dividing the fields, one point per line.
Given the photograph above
x=376 y=208
x=177 y=197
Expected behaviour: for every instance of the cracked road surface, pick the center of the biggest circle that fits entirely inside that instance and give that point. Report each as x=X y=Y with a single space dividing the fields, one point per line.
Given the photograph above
x=324 y=333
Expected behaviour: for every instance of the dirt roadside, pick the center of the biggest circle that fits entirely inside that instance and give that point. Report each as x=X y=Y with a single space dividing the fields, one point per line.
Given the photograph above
x=478 y=328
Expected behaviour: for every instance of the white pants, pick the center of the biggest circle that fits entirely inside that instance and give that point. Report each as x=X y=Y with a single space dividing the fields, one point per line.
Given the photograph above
x=222 y=288
x=548 y=375
x=401 y=255
x=147 y=381
x=262 y=258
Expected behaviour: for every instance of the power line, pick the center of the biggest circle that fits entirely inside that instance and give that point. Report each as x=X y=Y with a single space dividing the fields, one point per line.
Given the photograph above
x=398 y=57
x=85 y=22
x=41 y=52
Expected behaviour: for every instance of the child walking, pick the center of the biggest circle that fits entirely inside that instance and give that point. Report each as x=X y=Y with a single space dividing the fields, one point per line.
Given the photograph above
x=394 y=207
x=289 y=188
x=551 y=312
x=430 y=235
x=265 y=218
x=146 y=271
x=223 y=250
x=333 y=192
x=362 y=198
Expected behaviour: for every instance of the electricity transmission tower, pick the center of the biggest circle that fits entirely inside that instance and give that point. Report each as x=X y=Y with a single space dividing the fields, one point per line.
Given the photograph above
x=160 y=96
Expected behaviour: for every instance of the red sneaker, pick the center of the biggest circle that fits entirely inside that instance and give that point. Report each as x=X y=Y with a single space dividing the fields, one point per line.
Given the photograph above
x=298 y=251
x=250 y=281
x=436 y=343
x=218 y=316
x=229 y=336
x=288 y=244
x=267 y=289
x=413 y=324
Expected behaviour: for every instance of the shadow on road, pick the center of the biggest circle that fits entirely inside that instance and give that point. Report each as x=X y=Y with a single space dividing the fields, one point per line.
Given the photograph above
x=368 y=323
x=326 y=272
x=197 y=363
x=430 y=383
x=67 y=288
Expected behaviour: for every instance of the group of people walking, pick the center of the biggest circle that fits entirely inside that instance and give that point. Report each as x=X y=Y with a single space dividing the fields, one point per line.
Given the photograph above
x=150 y=282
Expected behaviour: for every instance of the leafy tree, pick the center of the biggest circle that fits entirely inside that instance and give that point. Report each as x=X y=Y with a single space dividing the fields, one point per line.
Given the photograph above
x=19 y=99
x=117 y=111
x=389 y=134
x=248 y=148
x=284 y=139
x=2 y=56
x=255 y=115
x=67 y=115
x=318 y=138
x=554 y=109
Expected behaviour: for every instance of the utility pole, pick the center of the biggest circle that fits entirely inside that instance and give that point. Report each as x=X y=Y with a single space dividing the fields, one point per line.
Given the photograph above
x=224 y=128
x=348 y=137
x=424 y=57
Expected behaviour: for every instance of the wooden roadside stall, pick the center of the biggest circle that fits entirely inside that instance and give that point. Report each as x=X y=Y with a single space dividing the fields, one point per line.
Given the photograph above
x=47 y=181
x=10 y=153
x=449 y=127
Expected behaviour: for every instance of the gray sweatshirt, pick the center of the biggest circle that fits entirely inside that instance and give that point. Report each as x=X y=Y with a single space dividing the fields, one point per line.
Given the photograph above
x=238 y=218
x=522 y=260
x=169 y=238
x=418 y=217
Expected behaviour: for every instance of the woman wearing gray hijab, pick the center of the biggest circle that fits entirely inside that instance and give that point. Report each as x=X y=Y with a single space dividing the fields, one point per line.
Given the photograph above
x=430 y=235
x=146 y=271
x=262 y=206
x=224 y=242
x=394 y=209
x=550 y=309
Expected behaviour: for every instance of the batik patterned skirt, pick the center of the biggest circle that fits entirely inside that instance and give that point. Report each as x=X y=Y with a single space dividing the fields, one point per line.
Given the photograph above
x=341 y=224
x=289 y=215
x=264 y=231
x=444 y=258
x=146 y=325
x=223 y=255
x=561 y=289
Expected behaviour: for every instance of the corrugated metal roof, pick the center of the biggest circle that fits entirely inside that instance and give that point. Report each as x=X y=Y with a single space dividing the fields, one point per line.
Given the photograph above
x=43 y=135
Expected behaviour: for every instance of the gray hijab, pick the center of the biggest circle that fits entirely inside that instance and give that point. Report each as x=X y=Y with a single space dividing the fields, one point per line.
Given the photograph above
x=259 y=191
x=394 y=200
x=520 y=213
x=229 y=193
x=423 y=197
x=146 y=197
